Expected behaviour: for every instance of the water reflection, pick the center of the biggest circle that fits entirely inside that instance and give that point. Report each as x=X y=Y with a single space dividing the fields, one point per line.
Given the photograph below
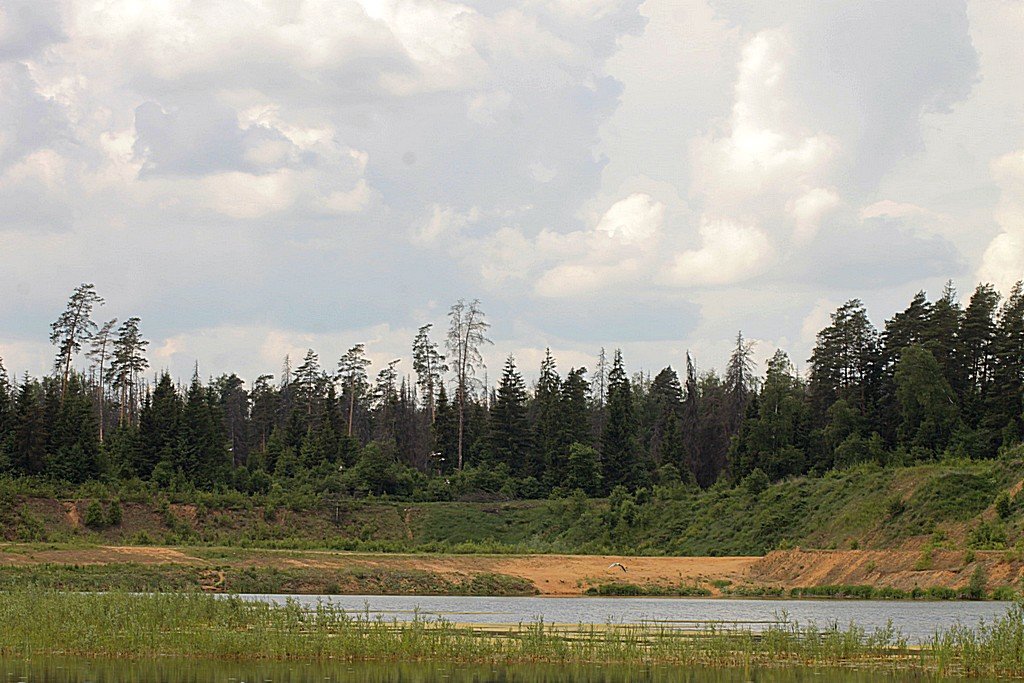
x=192 y=671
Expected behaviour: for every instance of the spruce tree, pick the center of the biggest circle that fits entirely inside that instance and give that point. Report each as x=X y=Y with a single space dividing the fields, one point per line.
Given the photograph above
x=31 y=430
x=160 y=428
x=547 y=418
x=508 y=437
x=619 y=440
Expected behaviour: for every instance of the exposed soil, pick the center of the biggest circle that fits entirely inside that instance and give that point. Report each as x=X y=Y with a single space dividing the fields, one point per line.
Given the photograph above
x=573 y=574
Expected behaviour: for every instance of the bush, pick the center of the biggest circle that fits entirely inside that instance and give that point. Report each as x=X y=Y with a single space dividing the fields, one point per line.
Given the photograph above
x=987 y=536
x=95 y=515
x=756 y=482
x=976 y=586
x=114 y=514
x=1004 y=505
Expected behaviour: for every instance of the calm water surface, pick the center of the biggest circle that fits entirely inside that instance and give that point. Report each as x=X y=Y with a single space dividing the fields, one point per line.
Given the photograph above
x=917 y=620
x=188 y=671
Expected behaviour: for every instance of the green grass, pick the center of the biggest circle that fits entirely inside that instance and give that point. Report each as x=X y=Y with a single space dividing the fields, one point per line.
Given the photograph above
x=867 y=505
x=135 y=626
x=315 y=581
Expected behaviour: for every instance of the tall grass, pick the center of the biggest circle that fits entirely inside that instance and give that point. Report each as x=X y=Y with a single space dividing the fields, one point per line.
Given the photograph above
x=39 y=622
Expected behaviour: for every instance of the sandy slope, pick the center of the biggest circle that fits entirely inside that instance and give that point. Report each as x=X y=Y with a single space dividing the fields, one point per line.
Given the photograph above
x=572 y=574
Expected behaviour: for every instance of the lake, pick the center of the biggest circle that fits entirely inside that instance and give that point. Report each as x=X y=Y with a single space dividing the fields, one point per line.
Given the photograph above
x=916 y=619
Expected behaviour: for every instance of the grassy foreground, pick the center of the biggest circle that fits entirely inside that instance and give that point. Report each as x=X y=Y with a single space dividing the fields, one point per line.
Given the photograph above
x=47 y=623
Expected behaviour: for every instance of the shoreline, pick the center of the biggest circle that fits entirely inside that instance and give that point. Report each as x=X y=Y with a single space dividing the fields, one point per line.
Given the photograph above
x=790 y=574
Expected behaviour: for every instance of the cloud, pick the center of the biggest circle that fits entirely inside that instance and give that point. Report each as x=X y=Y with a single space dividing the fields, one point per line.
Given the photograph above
x=1003 y=261
x=27 y=28
x=28 y=120
x=660 y=172
x=730 y=252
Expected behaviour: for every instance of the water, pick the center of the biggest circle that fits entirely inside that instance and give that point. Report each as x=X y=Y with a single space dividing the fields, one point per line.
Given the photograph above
x=916 y=620
x=53 y=670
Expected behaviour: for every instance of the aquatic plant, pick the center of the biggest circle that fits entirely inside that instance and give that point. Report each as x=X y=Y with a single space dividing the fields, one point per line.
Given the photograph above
x=39 y=622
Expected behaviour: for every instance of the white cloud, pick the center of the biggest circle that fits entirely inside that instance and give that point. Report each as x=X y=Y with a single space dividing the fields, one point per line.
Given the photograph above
x=730 y=252
x=1003 y=261
x=635 y=219
x=670 y=159
x=808 y=210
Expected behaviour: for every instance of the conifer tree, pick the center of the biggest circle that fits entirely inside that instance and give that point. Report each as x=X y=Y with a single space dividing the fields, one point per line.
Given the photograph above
x=72 y=328
x=618 y=442
x=429 y=366
x=127 y=364
x=547 y=417
x=509 y=430
x=100 y=352
x=467 y=333
x=31 y=431
x=352 y=375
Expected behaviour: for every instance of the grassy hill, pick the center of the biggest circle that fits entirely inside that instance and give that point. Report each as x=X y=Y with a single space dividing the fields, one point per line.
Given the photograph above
x=949 y=504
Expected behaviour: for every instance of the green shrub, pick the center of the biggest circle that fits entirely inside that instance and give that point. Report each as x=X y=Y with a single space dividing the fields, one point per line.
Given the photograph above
x=114 y=513
x=95 y=516
x=924 y=562
x=976 y=586
x=1004 y=505
x=987 y=536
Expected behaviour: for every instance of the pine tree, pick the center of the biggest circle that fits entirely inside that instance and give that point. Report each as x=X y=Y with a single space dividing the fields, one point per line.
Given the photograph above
x=385 y=399
x=352 y=376
x=310 y=385
x=429 y=366
x=928 y=408
x=127 y=364
x=942 y=335
x=72 y=328
x=100 y=351
x=1005 y=401
x=844 y=364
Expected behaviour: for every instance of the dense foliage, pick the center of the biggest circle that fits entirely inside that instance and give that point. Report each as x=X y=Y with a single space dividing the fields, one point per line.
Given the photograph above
x=939 y=379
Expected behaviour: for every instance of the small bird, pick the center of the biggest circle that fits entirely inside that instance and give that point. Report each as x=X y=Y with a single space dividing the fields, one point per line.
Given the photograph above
x=617 y=564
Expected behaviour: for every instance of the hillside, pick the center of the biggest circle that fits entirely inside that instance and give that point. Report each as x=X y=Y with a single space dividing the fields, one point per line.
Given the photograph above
x=945 y=505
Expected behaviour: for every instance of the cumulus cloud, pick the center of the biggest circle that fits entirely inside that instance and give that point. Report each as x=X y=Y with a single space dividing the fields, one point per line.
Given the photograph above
x=663 y=172
x=1003 y=261
x=730 y=252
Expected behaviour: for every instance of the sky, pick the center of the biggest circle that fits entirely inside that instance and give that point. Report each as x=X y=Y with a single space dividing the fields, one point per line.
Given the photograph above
x=253 y=179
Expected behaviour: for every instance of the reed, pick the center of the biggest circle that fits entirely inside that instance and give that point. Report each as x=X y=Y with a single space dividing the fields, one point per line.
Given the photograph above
x=39 y=622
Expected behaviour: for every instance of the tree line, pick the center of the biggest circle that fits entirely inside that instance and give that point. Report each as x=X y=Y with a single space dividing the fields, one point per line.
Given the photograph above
x=939 y=379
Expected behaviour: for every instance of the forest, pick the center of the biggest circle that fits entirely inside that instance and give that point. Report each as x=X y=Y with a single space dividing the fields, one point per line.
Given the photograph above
x=940 y=379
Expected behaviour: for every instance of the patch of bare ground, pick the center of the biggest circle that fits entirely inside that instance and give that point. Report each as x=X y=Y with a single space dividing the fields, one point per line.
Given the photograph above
x=903 y=569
